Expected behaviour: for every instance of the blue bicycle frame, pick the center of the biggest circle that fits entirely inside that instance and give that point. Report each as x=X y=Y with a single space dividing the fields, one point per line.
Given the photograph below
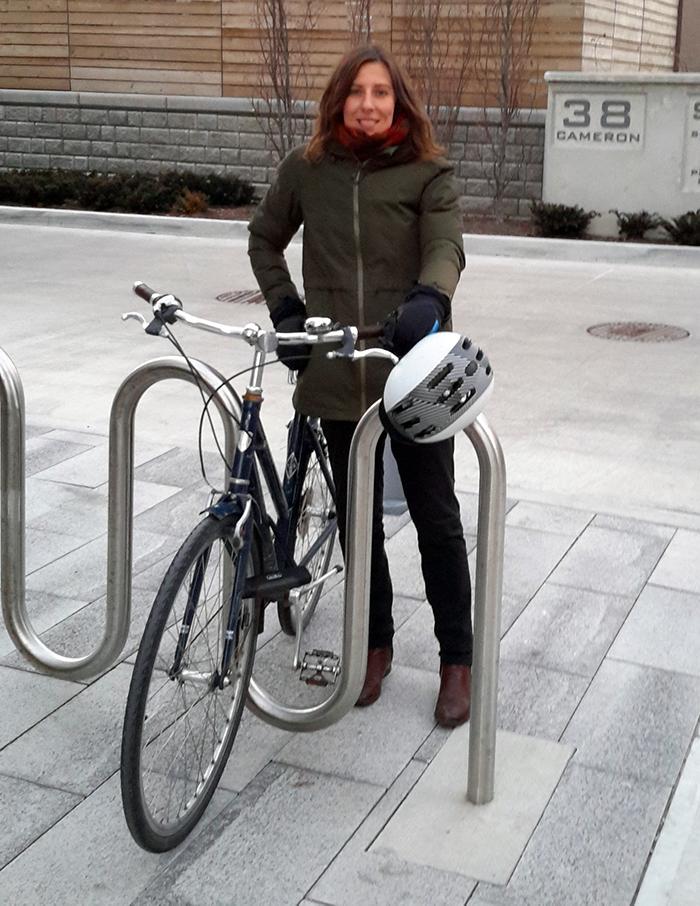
x=244 y=504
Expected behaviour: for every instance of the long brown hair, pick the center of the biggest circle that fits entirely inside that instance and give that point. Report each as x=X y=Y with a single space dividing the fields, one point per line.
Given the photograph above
x=330 y=110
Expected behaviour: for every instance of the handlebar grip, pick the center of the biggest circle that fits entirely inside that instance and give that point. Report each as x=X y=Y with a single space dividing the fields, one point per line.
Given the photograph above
x=370 y=331
x=144 y=291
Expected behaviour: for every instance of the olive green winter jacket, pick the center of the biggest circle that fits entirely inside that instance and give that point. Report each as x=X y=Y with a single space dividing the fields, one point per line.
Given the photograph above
x=372 y=230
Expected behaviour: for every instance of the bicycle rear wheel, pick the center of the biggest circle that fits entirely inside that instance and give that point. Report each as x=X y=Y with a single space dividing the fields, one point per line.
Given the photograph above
x=315 y=532
x=179 y=725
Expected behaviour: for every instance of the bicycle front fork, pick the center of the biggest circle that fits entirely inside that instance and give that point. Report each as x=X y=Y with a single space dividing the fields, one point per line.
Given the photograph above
x=235 y=573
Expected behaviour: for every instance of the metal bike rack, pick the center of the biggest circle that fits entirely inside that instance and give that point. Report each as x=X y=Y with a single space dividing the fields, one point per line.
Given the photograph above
x=356 y=607
x=119 y=516
x=488 y=588
x=487 y=603
x=488 y=580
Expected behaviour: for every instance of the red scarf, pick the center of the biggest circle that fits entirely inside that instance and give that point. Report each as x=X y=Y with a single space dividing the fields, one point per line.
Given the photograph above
x=363 y=145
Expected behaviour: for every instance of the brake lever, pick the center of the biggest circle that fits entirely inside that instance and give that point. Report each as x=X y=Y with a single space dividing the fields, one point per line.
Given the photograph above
x=348 y=351
x=376 y=353
x=154 y=327
x=135 y=316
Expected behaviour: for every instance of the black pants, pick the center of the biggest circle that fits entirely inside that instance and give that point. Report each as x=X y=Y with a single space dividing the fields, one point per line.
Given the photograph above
x=427 y=476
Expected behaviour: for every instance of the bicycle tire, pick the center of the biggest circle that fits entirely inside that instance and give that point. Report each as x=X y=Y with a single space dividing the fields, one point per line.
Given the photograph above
x=316 y=516
x=178 y=730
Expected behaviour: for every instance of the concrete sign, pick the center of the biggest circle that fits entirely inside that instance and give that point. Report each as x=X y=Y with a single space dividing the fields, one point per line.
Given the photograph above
x=629 y=142
x=691 y=157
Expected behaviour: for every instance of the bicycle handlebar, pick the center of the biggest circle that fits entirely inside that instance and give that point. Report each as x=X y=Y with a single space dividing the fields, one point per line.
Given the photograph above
x=168 y=308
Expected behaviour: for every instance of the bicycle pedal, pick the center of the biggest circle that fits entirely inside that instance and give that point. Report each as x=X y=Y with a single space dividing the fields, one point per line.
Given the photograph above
x=320 y=668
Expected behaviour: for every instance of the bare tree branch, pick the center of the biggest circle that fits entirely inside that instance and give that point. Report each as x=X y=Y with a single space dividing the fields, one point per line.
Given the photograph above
x=284 y=84
x=505 y=70
x=359 y=14
x=436 y=46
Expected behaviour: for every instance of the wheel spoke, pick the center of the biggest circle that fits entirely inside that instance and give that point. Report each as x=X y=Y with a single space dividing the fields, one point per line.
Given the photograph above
x=175 y=750
x=315 y=537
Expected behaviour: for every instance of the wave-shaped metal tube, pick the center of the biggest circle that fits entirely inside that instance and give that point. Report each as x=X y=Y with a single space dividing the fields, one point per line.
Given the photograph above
x=120 y=509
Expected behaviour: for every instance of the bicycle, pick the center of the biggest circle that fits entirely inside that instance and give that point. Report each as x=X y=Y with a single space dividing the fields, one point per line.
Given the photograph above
x=195 y=660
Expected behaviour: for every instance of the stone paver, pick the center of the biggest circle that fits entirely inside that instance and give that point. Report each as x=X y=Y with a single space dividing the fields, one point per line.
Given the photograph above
x=89 y=856
x=28 y=810
x=435 y=826
x=81 y=632
x=596 y=857
x=82 y=512
x=610 y=561
x=42 y=452
x=352 y=748
x=362 y=873
x=567 y=629
x=680 y=565
x=241 y=849
x=44 y=610
x=89 y=468
x=612 y=729
x=25 y=702
x=77 y=746
x=558 y=519
x=536 y=701
x=673 y=875
x=662 y=631
x=83 y=571
x=529 y=559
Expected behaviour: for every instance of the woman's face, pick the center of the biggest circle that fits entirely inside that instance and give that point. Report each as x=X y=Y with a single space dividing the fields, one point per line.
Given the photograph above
x=369 y=107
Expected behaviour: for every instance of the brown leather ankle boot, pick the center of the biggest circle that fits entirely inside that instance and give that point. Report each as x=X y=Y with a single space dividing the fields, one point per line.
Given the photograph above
x=452 y=708
x=378 y=666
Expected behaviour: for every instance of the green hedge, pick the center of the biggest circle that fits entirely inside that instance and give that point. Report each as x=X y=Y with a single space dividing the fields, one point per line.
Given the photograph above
x=135 y=193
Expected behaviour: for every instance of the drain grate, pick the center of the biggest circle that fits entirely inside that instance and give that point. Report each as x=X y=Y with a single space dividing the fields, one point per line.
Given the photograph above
x=245 y=296
x=638 y=331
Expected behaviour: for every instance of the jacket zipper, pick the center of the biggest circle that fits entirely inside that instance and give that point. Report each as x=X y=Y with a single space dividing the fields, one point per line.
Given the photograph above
x=360 y=277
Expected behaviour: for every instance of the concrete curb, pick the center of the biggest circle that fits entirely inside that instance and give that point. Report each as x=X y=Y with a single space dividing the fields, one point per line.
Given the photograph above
x=584 y=251
x=188 y=227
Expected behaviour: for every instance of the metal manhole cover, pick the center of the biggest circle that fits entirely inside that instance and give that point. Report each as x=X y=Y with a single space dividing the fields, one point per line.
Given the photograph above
x=246 y=296
x=638 y=331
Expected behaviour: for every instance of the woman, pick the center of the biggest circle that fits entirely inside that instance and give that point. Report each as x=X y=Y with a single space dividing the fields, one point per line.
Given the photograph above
x=382 y=243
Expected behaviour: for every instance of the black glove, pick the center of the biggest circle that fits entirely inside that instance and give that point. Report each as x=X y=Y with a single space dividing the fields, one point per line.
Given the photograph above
x=423 y=312
x=289 y=317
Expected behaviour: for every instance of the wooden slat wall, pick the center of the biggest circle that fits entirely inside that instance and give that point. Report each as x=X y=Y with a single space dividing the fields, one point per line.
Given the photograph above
x=148 y=46
x=243 y=42
x=629 y=35
x=213 y=47
x=34 y=44
x=556 y=45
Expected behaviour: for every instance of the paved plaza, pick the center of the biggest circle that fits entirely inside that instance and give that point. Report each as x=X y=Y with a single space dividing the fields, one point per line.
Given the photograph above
x=598 y=752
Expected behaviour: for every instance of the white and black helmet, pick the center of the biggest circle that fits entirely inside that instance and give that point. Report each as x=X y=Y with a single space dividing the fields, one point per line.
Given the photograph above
x=437 y=389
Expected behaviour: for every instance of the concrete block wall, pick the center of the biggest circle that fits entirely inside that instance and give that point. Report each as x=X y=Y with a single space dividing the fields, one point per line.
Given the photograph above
x=147 y=133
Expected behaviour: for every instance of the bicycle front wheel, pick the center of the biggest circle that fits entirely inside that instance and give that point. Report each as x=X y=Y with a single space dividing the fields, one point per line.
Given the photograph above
x=315 y=532
x=180 y=723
